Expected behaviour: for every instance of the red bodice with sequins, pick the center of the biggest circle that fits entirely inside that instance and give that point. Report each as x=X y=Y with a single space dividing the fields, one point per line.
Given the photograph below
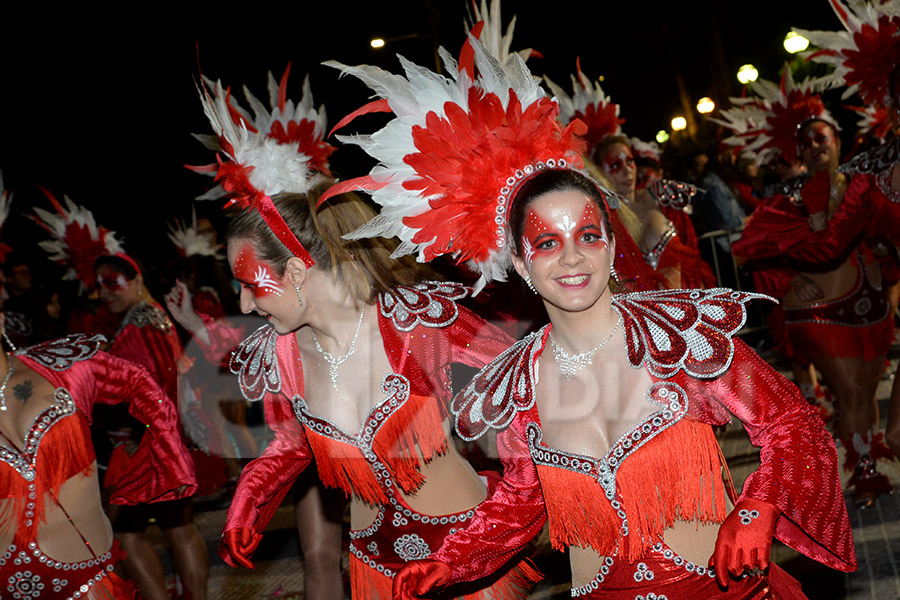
x=685 y=341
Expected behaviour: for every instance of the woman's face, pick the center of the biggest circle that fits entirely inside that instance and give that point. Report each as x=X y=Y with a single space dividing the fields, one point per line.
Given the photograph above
x=118 y=293
x=566 y=250
x=818 y=147
x=263 y=291
x=618 y=164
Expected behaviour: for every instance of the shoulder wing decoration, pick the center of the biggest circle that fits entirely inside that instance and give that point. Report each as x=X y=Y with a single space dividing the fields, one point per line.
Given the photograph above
x=432 y=304
x=689 y=330
x=60 y=354
x=255 y=362
x=148 y=314
x=502 y=388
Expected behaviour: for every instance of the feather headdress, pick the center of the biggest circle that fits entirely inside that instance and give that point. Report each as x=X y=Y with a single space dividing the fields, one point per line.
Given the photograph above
x=590 y=105
x=864 y=56
x=5 y=204
x=190 y=242
x=765 y=127
x=281 y=150
x=454 y=154
x=492 y=38
x=76 y=239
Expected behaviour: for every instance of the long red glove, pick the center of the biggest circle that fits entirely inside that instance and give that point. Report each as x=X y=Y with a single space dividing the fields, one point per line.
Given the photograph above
x=237 y=545
x=744 y=540
x=816 y=192
x=419 y=577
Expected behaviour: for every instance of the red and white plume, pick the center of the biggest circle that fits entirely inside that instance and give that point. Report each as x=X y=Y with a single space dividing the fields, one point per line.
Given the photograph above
x=492 y=37
x=77 y=241
x=765 y=127
x=646 y=150
x=190 y=242
x=281 y=149
x=588 y=103
x=454 y=154
x=5 y=204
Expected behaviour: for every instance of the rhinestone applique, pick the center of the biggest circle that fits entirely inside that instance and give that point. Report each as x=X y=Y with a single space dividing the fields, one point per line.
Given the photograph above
x=431 y=304
x=24 y=463
x=60 y=354
x=643 y=573
x=596 y=581
x=25 y=584
x=747 y=516
x=411 y=547
x=656 y=252
x=256 y=364
x=676 y=194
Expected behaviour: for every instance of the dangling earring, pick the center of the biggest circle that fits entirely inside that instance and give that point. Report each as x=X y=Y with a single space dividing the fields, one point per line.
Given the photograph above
x=529 y=284
x=299 y=299
x=612 y=273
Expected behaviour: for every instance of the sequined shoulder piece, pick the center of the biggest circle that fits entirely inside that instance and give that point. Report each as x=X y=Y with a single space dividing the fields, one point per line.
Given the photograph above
x=502 y=388
x=790 y=188
x=676 y=194
x=432 y=304
x=877 y=160
x=255 y=362
x=148 y=314
x=60 y=354
x=18 y=323
x=683 y=330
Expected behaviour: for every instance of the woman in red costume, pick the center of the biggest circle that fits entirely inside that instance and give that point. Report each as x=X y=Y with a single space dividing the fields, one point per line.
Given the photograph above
x=56 y=540
x=623 y=459
x=147 y=337
x=353 y=369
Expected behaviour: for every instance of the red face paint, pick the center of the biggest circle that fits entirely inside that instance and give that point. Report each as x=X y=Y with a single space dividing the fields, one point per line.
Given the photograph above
x=112 y=280
x=617 y=161
x=545 y=236
x=255 y=275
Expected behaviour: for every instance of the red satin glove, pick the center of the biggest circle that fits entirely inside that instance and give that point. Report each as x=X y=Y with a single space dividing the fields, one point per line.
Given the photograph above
x=816 y=192
x=237 y=545
x=419 y=577
x=745 y=539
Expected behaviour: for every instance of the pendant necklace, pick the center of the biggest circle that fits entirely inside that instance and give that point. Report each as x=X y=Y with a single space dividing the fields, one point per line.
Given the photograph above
x=334 y=363
x=569 y=364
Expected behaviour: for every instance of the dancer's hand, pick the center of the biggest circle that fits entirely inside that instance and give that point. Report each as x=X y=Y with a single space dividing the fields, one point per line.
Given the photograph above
x=237 y=545
x=178 y=301
x=419 y=577
x=744 y=540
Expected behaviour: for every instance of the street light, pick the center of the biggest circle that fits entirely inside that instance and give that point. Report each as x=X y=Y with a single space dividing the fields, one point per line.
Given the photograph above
x=679 y=124
x=705 y=105
x=747 y=73
x=794 y=42
x=377 y=43
x=662 y=136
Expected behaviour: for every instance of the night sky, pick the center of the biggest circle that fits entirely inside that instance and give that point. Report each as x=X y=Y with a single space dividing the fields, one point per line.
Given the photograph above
x=104 y=114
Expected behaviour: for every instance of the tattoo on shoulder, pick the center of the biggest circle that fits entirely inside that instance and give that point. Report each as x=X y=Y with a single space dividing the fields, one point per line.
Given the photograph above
x=23 y=390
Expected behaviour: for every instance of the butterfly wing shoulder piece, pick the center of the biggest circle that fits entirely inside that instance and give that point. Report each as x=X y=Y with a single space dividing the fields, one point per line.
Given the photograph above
x=432 y=304
x=255 y=362
x=60 y=354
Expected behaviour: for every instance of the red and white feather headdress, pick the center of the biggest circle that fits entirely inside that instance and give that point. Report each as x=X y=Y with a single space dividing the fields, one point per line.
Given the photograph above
x=190 y=242
x=279 y=150
x=456 y=151
x=765 y=127
x=863 y=57
x=76 y=239
x=589 y=104
x=491 y=36
x=5 y=205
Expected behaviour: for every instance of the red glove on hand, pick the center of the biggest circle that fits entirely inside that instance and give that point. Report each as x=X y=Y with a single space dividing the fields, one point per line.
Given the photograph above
x=418 y=578
x=816 y=192
x=745 y=539
x=237 y=545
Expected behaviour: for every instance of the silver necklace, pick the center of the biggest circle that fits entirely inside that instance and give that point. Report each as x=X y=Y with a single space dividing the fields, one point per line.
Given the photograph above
x=9 y=374
x=334 y=363
x=569 y=364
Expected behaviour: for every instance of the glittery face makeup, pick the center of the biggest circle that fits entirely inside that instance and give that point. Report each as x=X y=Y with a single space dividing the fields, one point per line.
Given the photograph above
x=817 y=133
x=618 y=160
x=112 y=280
x=618 y=164
x=545 y=237
x=256 y=275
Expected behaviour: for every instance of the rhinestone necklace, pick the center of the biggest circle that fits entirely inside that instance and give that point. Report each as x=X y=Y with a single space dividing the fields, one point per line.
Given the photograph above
x=9 y=373
x=334 y=363
x=569 y=364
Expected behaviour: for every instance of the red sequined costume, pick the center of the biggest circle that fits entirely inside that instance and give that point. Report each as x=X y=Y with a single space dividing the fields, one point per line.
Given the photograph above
x=424 y=331
x=620 y=504
x=58 y=449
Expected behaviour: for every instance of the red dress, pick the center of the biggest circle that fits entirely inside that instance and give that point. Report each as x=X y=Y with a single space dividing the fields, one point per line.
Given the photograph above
x=58 y=448
x=610 y=504
x=424 y=331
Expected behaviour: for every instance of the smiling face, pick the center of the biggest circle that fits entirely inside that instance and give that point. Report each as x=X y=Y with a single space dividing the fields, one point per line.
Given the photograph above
x=263 y=291
x=566 y=250
x=117 y=292
x=818 y=146
x=618 y=164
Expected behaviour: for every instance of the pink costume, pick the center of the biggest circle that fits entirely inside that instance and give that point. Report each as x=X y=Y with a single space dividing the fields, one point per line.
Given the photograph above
x=58 y=448
x=619 y=504
x=424 y=331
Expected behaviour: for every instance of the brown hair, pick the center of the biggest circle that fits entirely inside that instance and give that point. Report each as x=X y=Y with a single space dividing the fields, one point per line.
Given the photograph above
x=603 y=145
x=364 y=265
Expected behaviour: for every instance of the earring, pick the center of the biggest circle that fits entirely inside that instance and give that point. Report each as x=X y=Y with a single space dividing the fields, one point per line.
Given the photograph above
x=299 y=299
x=612 y=273
x=529 y=284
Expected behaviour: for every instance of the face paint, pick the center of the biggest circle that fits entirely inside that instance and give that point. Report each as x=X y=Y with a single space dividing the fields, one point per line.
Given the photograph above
x=541 y=238
x=255 y=274
x=818 y=133
x=111 y=279
x=614 y=162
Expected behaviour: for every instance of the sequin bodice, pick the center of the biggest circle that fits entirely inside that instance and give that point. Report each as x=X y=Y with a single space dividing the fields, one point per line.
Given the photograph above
x=25 y=461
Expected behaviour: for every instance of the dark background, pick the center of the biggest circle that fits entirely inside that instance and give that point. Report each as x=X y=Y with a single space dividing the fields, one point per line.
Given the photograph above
x=103 y=110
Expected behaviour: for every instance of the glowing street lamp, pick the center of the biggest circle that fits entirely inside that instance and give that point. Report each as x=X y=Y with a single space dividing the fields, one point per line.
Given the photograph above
x=679 y=124
x=377 y=43
x=705 y=105
x=794 y=42
x=747 y=73
x=662 y=136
